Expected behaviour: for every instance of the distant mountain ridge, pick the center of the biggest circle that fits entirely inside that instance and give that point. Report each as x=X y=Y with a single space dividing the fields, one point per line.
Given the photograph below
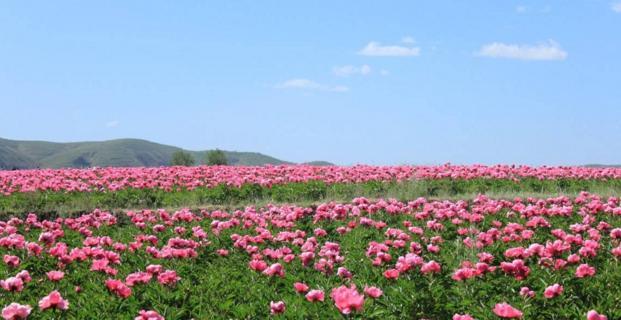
x=15 y=154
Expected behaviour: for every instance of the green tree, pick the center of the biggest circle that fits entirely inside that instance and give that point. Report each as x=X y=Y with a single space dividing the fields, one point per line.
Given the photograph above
x=216 y=158
x=180 y=158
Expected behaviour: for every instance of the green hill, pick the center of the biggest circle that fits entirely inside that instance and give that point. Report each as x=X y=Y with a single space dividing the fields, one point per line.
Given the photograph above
x=113 y=153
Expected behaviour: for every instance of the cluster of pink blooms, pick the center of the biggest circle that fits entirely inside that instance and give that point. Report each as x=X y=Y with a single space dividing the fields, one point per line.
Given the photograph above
x=170 y=178
x=271 y=241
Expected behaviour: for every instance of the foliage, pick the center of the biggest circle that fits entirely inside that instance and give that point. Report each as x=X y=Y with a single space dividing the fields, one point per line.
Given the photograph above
x=216 y=158
x=181 y=158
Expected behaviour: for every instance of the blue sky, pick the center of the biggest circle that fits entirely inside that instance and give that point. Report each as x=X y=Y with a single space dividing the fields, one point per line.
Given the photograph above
x=378 y=82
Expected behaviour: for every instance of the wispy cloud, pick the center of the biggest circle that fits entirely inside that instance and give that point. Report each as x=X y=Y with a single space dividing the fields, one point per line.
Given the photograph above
x=306 y=84
x=376 y=49
x=544 y=51
x=616 y=6
x=408 y=40
x=112 y=124
x=522 y=9
x=349 y=70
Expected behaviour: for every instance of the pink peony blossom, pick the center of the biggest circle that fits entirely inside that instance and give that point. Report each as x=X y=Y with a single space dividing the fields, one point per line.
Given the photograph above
x=315 y=295
x=277 y=307
x=373 y=292
x=430 y=267
x=593 y=315
x=16 y=311
x=526 y=292
x=12 y=284
x=391 y=274
x=168 y=277
x=300 y=287
x=584 y=270
x=54 y=300
x=11 y=261
x=148 y=315
x=55 y=275
x=552 y=291
x=505 y=310
x=119 y=288
x=347 y=299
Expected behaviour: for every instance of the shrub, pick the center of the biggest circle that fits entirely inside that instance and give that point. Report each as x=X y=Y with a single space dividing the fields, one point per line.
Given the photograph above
x=180 y=158
x=216 y=158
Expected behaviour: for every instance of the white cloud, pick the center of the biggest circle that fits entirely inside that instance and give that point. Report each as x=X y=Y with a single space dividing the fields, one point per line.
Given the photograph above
x=349 y=70
x=616 y=7
x=408 y=40
x=112 y=124
x=521 y=9
x=378 y=50
x=306 y=84
x=384 y=72
x=543 y=51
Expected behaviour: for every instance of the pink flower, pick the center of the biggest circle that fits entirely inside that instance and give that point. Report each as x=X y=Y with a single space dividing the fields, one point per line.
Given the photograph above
x=373 y=292
x=430 y=267
x=53 y=300
x=526 y=292
x=257 y=265
x=593 y=315
x=275 y=270
x=12 y=284
x=343 y=273
x=315 y=295
x=516 y=268
x=300 y=287
x=154 y=269
x=552 y=291
x=391 y=274
x=347 y=299
x=16 y=311
x=584 y=270
x=465 y=273
x=168 y=277
x=148 y=315
x=462 y=317
x=11 y=261
x=138 y=277
x=277 y=307
x=119 y=288
x=24 y=275
x=505 y=310
x=55 y=275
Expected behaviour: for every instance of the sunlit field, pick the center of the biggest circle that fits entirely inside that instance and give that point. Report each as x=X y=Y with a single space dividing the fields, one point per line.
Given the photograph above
x=256 y=252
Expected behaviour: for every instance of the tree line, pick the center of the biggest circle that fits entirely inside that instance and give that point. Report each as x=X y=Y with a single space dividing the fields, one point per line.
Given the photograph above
x=212 y=158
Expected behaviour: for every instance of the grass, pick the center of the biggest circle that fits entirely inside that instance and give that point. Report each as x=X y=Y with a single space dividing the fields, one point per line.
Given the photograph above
x=60 y=203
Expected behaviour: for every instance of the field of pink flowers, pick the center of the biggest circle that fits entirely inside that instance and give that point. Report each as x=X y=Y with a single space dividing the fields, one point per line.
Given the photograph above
x=479 y=258
x=169 y=178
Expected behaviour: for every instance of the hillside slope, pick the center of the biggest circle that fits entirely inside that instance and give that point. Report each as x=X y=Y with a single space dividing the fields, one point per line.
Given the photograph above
x=118 y=153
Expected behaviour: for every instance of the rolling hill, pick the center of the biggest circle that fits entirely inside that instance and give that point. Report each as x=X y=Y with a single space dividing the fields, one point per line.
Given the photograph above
x=112 y=153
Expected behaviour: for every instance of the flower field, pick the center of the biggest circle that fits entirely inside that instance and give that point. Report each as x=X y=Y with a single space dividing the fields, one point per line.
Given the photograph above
x=72 y=191
x=169 y=178
x=476 y=258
